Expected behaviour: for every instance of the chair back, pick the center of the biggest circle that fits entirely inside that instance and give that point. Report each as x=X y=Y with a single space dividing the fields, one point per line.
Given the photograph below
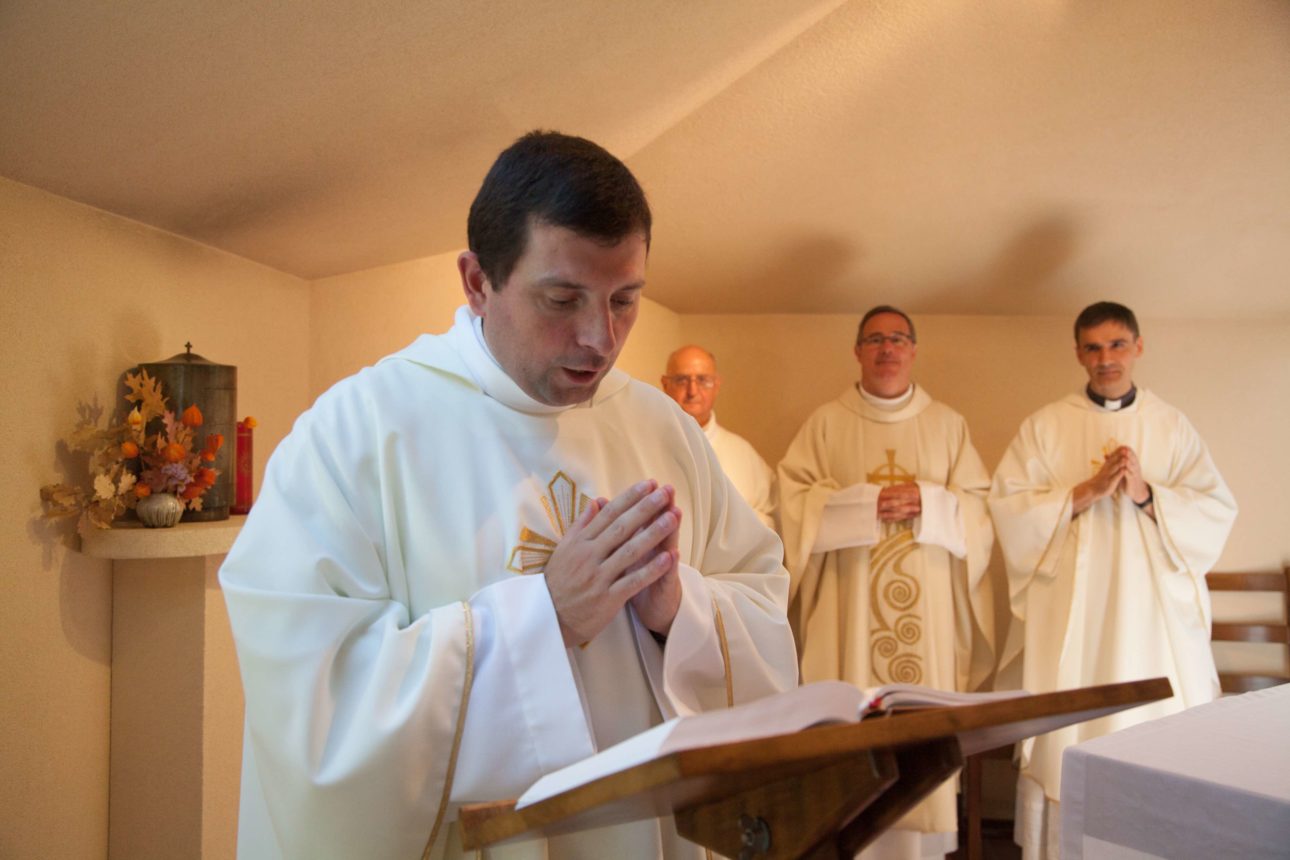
x=1257 y=628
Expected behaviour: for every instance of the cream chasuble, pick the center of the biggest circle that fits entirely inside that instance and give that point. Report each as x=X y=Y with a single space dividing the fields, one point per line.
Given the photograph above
x=1110 y=595
x=745 y=468
x=874 y=603
x=398 y=646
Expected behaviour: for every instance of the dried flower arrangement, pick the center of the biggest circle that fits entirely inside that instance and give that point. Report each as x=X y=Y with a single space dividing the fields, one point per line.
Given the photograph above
x=127 y=463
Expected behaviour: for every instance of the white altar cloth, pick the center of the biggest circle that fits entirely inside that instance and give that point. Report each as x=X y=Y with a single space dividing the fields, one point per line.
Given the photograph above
x=1213 y=781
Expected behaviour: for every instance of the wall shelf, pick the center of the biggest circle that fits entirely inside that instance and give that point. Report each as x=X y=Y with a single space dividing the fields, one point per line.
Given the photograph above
x=176 y=716
x=186 y=540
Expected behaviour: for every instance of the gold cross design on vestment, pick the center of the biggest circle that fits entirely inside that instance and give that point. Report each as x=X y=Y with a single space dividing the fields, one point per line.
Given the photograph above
x=1108 y=449
x=562 y=504
x=889 y=474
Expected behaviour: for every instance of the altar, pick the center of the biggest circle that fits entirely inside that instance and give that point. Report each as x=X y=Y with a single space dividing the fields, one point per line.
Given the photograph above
x=1213 y=781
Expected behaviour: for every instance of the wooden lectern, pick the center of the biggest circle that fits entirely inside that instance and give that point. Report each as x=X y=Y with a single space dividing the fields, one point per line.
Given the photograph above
x=823 y=792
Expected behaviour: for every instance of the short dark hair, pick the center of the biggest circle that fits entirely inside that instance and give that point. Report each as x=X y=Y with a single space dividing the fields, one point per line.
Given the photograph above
x=1100 y=312
x=885 y=309
x=557 y=179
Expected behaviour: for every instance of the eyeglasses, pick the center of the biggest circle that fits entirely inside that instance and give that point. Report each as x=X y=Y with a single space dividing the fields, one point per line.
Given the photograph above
x=898 y=339
x=703 y=381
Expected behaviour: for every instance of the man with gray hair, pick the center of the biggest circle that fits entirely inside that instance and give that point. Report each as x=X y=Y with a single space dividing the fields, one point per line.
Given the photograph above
x=693 y=382
x=882 y=505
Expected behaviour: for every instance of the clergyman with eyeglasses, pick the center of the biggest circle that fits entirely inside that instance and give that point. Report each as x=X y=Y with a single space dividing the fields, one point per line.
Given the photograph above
x=693 y=382
x=883 y=514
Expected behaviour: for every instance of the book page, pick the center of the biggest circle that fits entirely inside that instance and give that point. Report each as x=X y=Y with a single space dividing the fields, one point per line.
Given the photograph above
x=820 y=703
x=783 y=713
x=893 y=697
x=635 y=750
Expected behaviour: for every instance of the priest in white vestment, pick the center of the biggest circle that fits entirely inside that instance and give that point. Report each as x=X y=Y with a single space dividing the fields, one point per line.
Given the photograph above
x=882 y=507
x=693 y=382
x=491 y=554
x=1109 y=512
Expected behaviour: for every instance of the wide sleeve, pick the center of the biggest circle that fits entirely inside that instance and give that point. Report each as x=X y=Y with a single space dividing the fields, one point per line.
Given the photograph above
x=1193 y=506
x=763 y=495
x=1031 y=509
x=804 y=491
x=968 y=487
x=730 y=641
x=361 y=715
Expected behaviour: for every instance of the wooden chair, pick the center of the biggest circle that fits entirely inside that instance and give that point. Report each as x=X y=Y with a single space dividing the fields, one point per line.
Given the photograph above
x=1276 y=633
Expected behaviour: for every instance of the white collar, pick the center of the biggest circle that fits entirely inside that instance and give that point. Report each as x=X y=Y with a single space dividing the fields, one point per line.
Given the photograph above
x=466 y=338
x=887 y=404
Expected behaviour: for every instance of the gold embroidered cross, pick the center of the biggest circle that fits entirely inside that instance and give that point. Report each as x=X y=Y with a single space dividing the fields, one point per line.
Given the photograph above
x=889 y=474
x=1108 y=449
x=562 y=503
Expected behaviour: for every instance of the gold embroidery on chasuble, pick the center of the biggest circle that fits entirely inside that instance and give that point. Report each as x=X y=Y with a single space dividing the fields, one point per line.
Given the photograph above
x=562 y=504
x=1108 y=449
x=895 y=613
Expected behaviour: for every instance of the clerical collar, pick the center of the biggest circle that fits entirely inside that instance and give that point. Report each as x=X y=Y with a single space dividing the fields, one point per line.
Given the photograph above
x=1112 y=405
x=887 y=404
x=488 y=371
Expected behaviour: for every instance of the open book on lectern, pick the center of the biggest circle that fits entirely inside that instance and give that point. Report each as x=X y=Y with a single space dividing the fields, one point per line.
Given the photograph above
x=821 y=703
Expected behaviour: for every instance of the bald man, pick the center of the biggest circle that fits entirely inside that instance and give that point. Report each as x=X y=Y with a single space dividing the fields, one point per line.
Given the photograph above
x=693 y=382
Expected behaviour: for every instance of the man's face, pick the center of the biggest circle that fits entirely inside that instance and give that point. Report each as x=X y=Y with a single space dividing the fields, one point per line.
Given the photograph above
x=1108 y=351
x=886 y=354
x=560 y=320
x=692 y=381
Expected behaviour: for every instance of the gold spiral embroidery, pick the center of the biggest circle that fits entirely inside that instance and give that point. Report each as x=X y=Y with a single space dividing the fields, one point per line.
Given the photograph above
x=906 y=669
x=461 y=726
x=900 y=594
x=908 y=629
x=885 y=646
x=896 y=627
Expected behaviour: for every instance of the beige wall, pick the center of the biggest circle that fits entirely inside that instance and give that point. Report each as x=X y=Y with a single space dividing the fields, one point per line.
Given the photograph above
x=1231 y=378
x=84 y=296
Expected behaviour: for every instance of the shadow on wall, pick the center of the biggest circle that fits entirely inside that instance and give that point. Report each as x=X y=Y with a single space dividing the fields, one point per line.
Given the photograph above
x=808 y=265
x=1023 y=269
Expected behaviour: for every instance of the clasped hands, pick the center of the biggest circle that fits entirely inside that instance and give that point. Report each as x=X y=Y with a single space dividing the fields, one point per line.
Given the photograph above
x=899 y=502
x=615 y=552
x=1121 y=471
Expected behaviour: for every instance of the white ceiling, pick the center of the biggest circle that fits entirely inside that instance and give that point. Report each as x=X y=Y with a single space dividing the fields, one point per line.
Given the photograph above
x=952 y=156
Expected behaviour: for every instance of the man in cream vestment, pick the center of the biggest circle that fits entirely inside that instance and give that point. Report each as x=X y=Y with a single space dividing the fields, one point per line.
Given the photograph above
x=491 y=554
x=693 y=382
x=882 y=506
x=1109 y=512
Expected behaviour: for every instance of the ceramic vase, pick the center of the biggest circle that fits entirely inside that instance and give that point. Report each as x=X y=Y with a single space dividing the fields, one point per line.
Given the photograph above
x=159 y=510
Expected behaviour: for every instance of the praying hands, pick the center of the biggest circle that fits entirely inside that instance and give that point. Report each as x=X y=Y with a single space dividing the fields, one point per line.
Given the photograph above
x=618 y=551
x=1121 y=471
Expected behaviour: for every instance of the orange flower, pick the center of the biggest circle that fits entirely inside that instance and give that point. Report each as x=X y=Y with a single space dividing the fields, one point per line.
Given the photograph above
x=142 y=491
x=192 y=491
x=205 y=477
x=174 y=452
x=192 y=416
x=249 y=423
x=129 y=450
x=213 y=443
